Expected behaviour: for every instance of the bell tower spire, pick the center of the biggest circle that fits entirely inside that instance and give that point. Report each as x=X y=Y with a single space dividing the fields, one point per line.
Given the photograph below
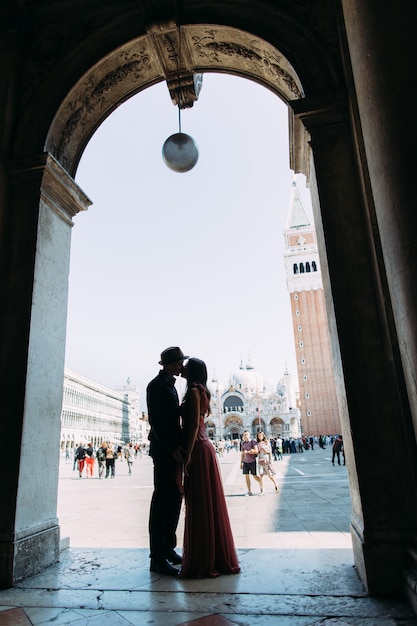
x=318 y=400
x=301 y=255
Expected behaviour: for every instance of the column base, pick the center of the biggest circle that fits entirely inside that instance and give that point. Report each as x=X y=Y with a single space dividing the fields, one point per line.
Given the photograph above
x=27 y=554
x=410 y=579
x=381 y=561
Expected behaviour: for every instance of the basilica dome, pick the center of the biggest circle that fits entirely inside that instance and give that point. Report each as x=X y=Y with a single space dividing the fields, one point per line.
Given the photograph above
x=247 y=378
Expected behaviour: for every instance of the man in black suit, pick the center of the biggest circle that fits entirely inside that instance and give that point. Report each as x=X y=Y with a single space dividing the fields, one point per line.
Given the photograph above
x=166 y=450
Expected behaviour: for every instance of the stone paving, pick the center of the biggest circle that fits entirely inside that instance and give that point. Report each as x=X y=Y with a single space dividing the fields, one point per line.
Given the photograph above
x=294 y=549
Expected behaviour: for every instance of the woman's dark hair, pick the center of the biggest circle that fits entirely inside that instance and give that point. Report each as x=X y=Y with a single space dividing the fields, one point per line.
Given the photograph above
x=197 y=373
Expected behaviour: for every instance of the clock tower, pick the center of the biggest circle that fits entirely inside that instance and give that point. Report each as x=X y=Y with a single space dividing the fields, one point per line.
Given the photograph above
x=318 y=400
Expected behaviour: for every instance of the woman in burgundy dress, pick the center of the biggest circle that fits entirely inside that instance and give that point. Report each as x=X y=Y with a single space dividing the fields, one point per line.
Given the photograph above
x=208 y=547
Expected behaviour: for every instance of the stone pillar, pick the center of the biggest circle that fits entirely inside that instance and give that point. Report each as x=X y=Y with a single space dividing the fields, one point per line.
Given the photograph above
x=36 y=231
x=382 y=50
x=373 y=405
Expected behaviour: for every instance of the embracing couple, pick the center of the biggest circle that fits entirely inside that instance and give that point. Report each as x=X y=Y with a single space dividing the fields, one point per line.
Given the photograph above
x=180 y=447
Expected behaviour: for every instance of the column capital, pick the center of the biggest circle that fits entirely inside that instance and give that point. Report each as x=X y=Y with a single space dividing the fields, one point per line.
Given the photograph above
x=57 y=189
x=329 y=110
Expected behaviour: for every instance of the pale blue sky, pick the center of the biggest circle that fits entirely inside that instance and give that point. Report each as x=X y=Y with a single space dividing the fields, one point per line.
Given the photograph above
x=192 y=259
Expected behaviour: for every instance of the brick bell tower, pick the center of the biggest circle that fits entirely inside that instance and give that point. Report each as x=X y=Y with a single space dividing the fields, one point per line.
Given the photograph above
x=318 y=400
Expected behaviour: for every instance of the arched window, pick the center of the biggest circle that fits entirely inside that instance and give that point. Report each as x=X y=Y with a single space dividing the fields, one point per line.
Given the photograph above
x=233 y=403
x=295 y=268
x=308 y=267
x=301 y=268
x=314 y=266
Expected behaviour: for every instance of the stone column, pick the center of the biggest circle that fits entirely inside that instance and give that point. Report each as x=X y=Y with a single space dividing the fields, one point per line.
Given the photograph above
x=373 y=406
x=42 y=200
x=382 y=50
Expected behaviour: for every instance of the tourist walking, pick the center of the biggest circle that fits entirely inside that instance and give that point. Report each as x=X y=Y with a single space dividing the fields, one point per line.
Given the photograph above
x=265 y=461
x=101 y=459
x=249 y=451
x=337 y=448
x=80 y=455
x=278 y=449
x=110 y=461
x=130 y=455
x=90 y=459
x=74 y=458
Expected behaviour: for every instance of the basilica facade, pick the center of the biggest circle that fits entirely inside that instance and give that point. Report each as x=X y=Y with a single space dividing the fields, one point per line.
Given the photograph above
x=247 y=403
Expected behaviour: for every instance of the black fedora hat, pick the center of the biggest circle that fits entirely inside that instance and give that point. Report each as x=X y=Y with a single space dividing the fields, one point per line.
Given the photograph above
x=172 y=355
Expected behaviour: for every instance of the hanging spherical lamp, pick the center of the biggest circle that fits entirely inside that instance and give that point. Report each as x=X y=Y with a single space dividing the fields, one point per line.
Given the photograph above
x=180 y=152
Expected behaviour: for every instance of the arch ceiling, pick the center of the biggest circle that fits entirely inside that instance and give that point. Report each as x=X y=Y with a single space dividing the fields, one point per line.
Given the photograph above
x=176 y=55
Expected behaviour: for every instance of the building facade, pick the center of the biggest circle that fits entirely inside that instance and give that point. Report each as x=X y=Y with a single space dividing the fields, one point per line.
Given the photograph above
x=94 y=413
x=318 y=398
x=138 y=420
x=247 y=403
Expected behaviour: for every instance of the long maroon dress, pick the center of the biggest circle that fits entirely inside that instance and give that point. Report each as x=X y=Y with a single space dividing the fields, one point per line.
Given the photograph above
x=208 y=548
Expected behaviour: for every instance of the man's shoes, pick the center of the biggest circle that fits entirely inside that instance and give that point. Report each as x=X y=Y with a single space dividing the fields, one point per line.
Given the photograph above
x=163 y=567
x=174 y=558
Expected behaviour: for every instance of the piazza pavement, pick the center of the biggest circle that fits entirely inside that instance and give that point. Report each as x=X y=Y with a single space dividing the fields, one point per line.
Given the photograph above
x=294 y=549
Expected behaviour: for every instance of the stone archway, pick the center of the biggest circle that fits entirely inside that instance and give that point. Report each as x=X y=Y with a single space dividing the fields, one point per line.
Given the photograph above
x=258 y=424
x=125 y=71
x=65 y=75
x=233 y=426
x=277 y=426
x=177 y=56
x=46 y=199
x=211 y=430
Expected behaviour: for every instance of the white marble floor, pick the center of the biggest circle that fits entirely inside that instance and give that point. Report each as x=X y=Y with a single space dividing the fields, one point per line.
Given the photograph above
x=294 y=549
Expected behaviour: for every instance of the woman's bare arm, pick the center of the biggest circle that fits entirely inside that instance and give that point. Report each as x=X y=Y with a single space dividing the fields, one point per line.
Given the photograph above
x=194 y=417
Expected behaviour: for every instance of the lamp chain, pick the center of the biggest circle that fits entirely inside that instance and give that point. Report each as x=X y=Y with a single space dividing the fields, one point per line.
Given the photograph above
x=178 y=20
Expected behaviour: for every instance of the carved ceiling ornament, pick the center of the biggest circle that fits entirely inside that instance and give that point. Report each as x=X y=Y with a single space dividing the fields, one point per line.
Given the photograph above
x=229 y=49
x=177 y=55
x=97 y=94
x=171 y=46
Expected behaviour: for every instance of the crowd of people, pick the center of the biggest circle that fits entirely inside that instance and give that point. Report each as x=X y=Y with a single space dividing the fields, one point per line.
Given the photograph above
x=280 y=446
x=84 y=456
x=292 y=445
